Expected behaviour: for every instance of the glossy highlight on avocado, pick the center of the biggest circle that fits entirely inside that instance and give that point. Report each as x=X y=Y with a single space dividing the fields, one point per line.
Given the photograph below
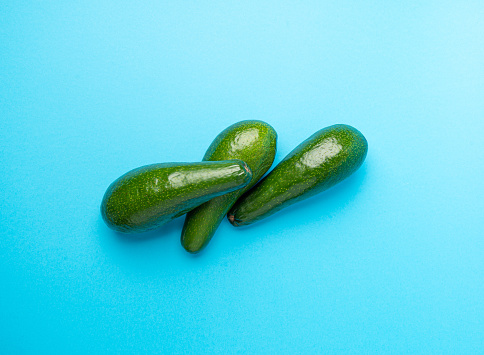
x=252 y=141
x=150 y=196
x=320 y=162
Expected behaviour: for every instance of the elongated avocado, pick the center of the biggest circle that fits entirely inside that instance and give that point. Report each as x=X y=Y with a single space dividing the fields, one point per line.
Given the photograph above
x=251 y=141
x=320 y=162
x=150 y=196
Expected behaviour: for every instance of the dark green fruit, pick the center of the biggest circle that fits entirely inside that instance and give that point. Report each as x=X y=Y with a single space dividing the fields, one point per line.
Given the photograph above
x=150 y=196
x=320 y=162
x=251 y=141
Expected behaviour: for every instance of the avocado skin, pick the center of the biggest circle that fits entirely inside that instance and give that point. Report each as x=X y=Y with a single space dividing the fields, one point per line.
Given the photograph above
x=150 y=196
x=320 y=162
x=251 y=141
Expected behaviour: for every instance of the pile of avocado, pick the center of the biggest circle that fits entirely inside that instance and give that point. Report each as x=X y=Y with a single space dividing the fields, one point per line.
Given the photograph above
x=223 y=183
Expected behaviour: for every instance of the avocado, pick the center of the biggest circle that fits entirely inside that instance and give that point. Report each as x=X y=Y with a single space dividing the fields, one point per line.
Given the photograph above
x=150 y=196
x=251 y=141
x=320 y=162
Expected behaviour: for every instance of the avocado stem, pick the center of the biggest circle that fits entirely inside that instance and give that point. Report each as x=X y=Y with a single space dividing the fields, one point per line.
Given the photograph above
x=233 y=220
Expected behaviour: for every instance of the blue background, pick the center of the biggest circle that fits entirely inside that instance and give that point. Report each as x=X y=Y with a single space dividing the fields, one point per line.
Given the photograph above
x=391 y=260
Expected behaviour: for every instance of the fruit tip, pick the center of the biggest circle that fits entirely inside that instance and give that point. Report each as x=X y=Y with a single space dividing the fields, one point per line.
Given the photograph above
x=232 y=220
x=246 y=167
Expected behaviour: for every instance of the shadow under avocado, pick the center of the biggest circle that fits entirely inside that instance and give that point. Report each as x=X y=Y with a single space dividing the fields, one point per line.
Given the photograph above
x=150 y=251
x=174 y=225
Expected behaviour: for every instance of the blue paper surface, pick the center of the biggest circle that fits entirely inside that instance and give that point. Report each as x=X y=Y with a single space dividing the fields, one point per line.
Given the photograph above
x=391 y=260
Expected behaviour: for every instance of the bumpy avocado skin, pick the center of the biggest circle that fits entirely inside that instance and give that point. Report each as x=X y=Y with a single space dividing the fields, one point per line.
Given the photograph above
x=150 y=196
x=251 y=141
x=320 y=162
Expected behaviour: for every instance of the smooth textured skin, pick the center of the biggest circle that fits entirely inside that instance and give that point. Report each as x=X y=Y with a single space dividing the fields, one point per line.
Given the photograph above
x=251 y=141
x=320 y=162
x=150 y=196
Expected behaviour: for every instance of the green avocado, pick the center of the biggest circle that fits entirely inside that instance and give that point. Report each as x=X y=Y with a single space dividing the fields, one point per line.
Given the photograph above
x=251 y=141
x=150 y=196
x=320 y=162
